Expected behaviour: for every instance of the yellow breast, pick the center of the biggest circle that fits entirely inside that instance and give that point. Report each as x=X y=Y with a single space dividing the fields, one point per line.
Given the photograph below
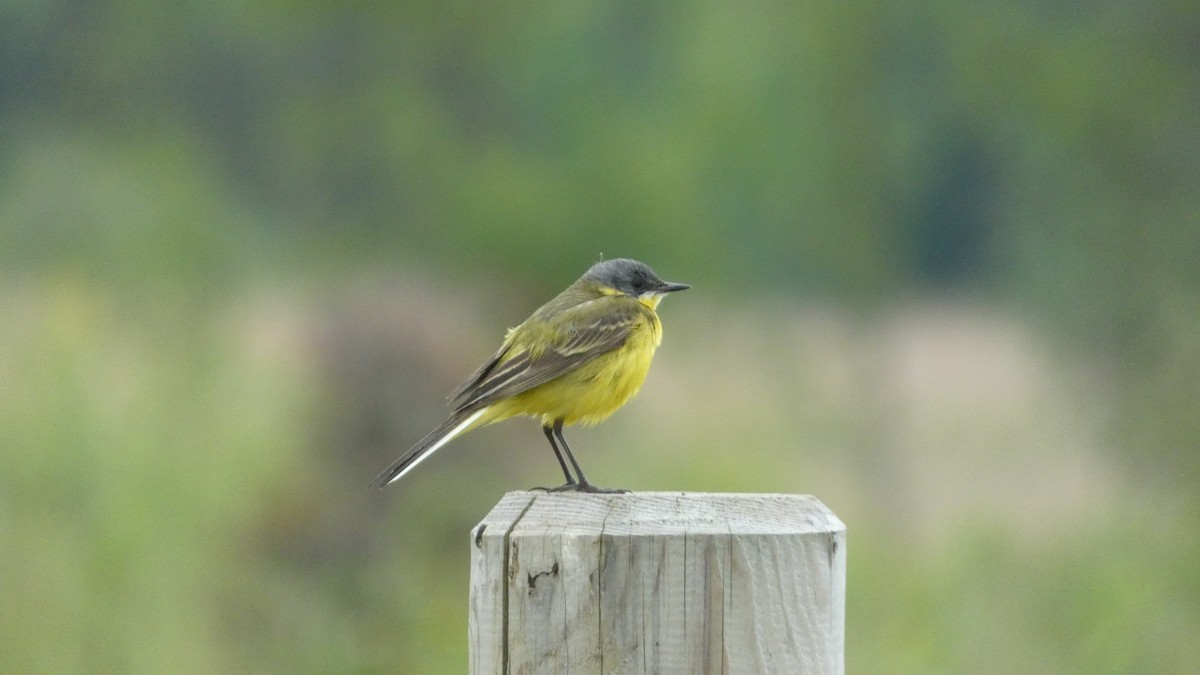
x=598 y=388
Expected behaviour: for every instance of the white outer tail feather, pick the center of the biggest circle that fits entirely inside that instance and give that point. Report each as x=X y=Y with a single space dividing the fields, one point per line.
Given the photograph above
x=436 y=446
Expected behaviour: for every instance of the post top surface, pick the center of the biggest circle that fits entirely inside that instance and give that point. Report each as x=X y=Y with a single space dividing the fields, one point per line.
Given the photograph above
x=659 y=513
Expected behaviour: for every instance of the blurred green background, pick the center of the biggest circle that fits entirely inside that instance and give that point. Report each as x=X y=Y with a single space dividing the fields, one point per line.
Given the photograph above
x=946 y=270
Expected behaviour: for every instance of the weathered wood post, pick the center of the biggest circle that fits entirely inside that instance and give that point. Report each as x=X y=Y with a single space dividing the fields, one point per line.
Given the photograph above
x=657 y=583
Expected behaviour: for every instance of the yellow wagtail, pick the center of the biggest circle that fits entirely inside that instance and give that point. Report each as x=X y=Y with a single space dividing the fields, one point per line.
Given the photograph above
x=577 y=359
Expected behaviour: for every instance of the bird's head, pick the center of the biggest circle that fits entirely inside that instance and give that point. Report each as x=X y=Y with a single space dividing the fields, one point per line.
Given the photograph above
x=622 y=276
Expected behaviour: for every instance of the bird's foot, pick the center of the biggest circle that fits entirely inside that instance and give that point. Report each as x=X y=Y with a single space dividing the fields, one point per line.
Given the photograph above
x=585 y=486
x=580 y=487
x=565 y=487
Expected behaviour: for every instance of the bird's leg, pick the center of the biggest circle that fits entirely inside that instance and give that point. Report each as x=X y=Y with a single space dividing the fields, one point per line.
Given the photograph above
x=582 y=485
x=571 y=483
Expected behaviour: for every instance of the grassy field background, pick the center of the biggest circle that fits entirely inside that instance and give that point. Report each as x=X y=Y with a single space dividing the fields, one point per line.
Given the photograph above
x=944 y=277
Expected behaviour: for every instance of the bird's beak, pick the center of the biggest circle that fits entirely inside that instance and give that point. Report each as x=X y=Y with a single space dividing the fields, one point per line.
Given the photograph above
x=671 y=287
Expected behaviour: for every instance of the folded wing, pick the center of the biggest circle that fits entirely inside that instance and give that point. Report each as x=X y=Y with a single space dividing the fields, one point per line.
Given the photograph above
x=581 y=335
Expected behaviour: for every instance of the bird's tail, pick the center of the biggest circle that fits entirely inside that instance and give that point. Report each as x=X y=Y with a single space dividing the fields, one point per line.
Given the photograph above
x=458 y=423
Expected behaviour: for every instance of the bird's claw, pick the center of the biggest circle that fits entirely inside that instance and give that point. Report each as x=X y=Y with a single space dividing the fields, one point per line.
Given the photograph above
x=580 y=487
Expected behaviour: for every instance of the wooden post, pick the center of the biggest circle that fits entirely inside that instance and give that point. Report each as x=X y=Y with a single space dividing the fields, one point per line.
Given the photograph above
x=660 y=582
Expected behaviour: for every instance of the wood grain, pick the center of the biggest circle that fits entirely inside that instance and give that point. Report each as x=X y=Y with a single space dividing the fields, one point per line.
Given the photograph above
x=657 y=583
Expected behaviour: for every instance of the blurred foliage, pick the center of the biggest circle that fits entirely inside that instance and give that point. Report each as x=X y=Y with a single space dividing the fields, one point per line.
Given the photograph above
x=235 y=242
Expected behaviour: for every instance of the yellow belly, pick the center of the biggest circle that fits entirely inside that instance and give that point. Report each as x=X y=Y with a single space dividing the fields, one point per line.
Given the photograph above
x=592 y=392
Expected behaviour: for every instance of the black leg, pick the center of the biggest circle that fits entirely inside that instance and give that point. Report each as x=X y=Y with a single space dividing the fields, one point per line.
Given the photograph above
x=558 y=426
x=583 y=485
x=558 y=455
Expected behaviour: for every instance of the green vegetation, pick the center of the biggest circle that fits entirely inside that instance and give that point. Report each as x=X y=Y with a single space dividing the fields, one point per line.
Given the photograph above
x=244 y=252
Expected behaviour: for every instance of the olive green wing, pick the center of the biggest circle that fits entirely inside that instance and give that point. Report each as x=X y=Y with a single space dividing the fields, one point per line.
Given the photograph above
x=474 y=379
x=538 y=352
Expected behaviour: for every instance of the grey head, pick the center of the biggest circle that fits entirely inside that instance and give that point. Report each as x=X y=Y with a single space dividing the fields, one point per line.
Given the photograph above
x=630 y=277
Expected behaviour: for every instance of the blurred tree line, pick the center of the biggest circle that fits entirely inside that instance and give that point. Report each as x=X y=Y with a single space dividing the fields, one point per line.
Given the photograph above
x=158 y=158
x=1042 y=151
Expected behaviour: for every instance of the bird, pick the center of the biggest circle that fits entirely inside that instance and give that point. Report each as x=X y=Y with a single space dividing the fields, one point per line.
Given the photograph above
x=575 y=360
